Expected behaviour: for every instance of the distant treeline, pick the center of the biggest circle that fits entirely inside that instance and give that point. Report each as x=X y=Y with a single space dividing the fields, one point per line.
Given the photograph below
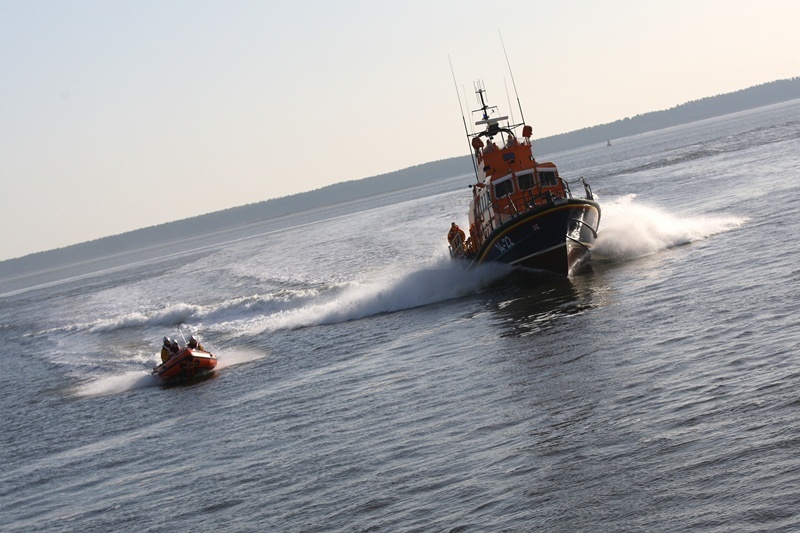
x=713 y=106
x=760 y=95
x=238 y=216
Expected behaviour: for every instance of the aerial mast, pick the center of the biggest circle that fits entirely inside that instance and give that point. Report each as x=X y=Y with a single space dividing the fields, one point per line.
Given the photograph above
x=514 y=83
x=466 y=130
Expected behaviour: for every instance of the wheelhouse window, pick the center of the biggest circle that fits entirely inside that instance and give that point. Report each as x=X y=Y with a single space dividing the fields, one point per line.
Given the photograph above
x=548 y=178
x=483 y=202
x=503 y=188
x=526 y=181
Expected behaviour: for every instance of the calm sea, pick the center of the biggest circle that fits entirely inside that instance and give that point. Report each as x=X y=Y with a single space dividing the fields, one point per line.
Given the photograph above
x=366 y=384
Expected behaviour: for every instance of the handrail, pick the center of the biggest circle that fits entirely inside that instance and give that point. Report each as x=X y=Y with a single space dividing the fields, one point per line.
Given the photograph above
x=510 y=203
x=594 y=231
x=565 y=184
x=458 y=251
x=588 y=189
x=589 y=195
x=532 y=197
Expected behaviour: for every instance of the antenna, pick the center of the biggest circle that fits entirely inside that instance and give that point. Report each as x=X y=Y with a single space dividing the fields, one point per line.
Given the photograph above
x=461 y=108
x=480 y=91
x=512 y=76
x=471 y=128
x=181 y=332
x=509 y=101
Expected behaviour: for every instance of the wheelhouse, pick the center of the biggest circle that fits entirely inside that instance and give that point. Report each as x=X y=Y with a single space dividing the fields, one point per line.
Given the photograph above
x=499 y=199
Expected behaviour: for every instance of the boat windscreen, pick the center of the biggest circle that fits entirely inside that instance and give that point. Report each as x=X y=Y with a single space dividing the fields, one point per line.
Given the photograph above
x=503 y=188
x=526 y=181
x=548 y=178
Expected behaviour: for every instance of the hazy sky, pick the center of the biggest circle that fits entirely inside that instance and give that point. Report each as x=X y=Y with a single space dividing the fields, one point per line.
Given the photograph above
x=115 y=115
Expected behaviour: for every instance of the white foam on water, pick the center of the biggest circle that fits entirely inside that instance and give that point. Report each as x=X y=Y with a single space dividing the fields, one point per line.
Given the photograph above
x=629 y=229
x=118 y=383
x=394 y=291
x=238 y=356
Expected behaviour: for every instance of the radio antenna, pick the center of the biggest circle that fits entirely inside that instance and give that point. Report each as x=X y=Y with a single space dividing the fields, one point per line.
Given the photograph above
x=509 y=101
x=522 y=115
x=466 y=130
x=471 y=127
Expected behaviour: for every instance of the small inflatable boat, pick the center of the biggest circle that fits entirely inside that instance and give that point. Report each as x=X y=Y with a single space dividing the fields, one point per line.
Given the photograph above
x=186 y=364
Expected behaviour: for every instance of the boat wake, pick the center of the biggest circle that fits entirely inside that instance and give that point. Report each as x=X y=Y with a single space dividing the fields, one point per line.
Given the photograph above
x=629 y=230
x=238 y=356
x=116 y=384
x=394 y=291
x=179 y=313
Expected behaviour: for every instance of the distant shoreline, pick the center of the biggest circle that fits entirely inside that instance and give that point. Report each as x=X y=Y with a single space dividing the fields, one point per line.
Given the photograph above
x=713 y=106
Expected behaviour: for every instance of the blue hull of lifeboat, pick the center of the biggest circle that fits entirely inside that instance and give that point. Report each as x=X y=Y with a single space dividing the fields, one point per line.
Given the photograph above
x=556 y=237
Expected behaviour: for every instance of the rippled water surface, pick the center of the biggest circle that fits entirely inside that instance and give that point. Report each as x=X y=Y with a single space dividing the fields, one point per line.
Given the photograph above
x=367 y=384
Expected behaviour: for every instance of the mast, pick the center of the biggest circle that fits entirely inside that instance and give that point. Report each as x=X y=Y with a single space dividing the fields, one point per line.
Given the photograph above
x=514 y=83
x=464 y=120
x=492 y=124
x=480 y=90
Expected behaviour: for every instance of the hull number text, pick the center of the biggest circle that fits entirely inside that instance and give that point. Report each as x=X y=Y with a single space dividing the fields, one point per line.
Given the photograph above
x=504 y=244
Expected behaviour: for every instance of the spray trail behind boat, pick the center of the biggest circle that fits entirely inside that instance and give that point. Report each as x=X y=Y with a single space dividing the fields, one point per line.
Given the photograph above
x=630 y=230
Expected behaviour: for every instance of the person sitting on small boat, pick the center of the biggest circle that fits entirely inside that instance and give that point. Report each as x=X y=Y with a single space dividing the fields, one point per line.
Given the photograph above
x=166 y=350
x=456 y=238
x=490 y=146
x=174 y=348
x=194 y=344
x=511 y=141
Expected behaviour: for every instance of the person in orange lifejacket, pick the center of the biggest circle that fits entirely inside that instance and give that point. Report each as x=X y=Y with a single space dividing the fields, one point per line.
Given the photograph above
x=456 y=238
x=470 y=245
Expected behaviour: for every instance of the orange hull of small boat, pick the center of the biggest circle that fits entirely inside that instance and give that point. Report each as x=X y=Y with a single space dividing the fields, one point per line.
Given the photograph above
x=186 y=364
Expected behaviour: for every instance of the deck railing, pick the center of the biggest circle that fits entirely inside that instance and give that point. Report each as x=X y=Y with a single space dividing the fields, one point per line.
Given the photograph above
x=512 y=206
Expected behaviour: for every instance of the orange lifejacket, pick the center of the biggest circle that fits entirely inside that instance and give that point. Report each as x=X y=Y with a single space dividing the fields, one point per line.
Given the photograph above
x=455 y=230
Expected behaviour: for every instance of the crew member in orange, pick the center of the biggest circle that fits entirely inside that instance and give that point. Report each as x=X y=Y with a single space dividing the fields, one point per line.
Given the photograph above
x=471 y=240
x=469 y=246
x=456 y=238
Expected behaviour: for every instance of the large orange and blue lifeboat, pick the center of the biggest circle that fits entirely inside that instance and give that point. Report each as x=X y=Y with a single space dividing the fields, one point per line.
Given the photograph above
x=522 y=212
x=186 y=364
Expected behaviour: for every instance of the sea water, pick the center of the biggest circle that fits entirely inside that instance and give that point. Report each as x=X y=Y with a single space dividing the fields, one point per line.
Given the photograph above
x=365 y=383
